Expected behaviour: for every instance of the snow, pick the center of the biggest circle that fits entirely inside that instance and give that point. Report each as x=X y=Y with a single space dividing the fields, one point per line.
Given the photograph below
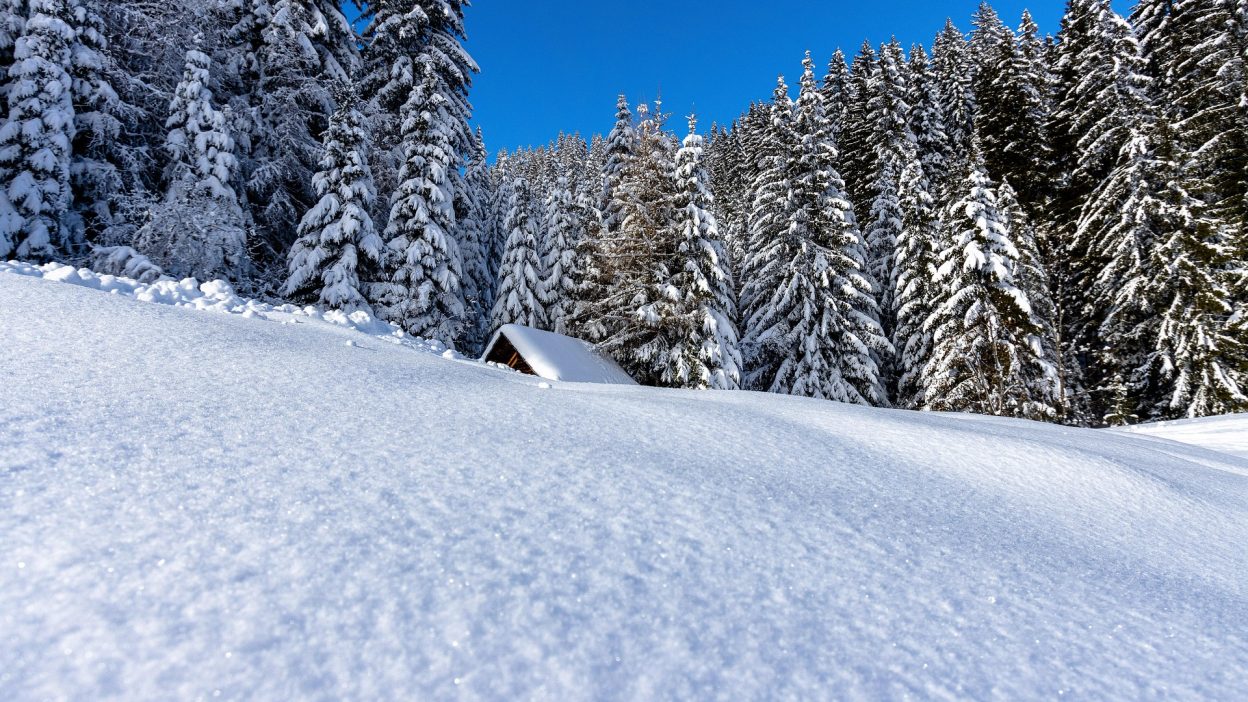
x=197 y=504
x=1227 y=433
x=558 y=357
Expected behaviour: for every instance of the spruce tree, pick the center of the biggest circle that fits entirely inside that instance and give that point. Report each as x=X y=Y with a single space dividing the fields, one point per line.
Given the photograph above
x=36 y=138
x=927 y=121
x=338 y=253
x=1022 y=87
x=915 y=294
x=641 y=252
x=559 y=233
x=1100 y=83
x=424 y=294
x=1198 y=355
x=475 y=235
x=982 y=332
x=952 y=65
x=762 y=269
x=621 y=143
x=857 y=142
x=817 y=332
x=198 y=229
x=520 y=278
x=837 y=94
x=95 y=176
x=281 y=59
x=894 y=149
x=1031 y=276
x=706 y=352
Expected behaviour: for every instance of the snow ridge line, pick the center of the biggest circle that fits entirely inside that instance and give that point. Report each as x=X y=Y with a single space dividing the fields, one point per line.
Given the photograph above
x=220 y=296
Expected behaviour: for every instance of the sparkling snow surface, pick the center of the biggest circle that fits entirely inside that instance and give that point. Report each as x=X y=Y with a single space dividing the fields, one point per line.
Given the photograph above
x=1228 y=433
x=211 y=506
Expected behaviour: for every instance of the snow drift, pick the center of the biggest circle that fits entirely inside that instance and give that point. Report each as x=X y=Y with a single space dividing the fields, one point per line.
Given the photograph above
x=200 y=505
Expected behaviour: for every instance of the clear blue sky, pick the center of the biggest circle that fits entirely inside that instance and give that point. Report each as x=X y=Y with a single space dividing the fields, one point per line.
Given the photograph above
x=551 y=65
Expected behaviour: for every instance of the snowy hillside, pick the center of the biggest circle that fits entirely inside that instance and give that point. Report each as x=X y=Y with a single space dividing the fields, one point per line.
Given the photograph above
x=1228 y=433
x=274 y=504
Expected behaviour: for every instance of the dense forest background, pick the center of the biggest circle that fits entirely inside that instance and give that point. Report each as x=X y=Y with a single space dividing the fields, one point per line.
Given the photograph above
x=1002 y=222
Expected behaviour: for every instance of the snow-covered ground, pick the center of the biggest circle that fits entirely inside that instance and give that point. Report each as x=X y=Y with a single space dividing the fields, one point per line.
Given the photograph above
x=1228 y=433
x=282 y=505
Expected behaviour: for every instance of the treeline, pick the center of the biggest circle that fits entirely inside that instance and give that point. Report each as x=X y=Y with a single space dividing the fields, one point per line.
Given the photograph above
x=1008 y=224
x=267 y=142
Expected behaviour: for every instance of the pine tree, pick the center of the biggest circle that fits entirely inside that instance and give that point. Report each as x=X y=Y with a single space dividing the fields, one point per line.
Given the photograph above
x=424 y=294
x=1099 y=82
x=1032 y=278
x=817 y=333
x=1022 y=87
x=13 y=14
x=952 y=65
x=706 y=352
x=894 y=149
x=982 y=332
x=520 y=278
x=915 y=294
x=95 y=167
x=641 y=252
x=1197 y=354
x=338 y=253
x=282 y=58
x=837 y=94
x=472 y=213
x=558 y=254
x=927 y=121
x=1125 y=219
x=762 y=268
x=621 y=144
x=857 y=141
x=198 y=228
x=35 y=140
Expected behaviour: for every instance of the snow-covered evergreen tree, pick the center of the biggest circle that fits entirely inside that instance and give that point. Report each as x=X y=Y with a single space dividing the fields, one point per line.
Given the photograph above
x=915 y=294
x=424 y=294
x=36 y=138
x=837 y=94
x=621 y=143
x=338 y=253
x=280 y=60
x=641 y=253
x=927 y=121
x=895 y=147
x=700 y=293
x=817 y=332
x=475 y=234
x=198 y=228
x=857 y=138
x=1032 y=277
x=559 y=234
x=952 y=64
x=983 y=335
x=762 y=268
x=1198 y=355
x=1022 y=88
x=520 y=278
x=95 y=176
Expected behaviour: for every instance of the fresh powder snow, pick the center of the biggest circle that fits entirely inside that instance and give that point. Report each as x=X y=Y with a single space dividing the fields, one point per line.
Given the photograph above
x=213 y=498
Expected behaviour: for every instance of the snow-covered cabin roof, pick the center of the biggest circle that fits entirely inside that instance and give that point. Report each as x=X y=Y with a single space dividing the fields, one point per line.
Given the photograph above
x=553 y=356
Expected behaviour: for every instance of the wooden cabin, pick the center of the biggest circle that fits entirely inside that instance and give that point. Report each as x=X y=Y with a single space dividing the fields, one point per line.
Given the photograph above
x=553 y=357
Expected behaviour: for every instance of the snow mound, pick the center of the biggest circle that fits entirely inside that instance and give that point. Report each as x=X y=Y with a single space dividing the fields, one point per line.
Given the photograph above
x=219 y=296
x=202 y=506
x=1228 y=434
